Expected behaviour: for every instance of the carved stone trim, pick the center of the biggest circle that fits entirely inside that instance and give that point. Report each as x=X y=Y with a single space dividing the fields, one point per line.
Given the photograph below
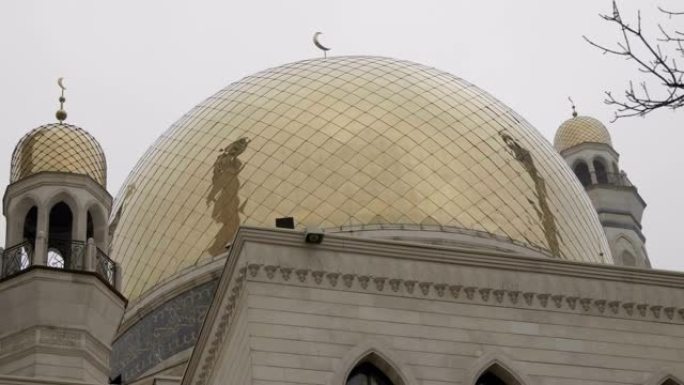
x=505 y=297
x=229 y=312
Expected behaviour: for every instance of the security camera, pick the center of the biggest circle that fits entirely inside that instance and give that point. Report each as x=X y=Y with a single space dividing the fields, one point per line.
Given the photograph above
x=313 y=235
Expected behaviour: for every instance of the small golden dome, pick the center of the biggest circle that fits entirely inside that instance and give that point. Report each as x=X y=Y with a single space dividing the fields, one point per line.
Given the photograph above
x=340 y=143
x=59 y=147
x=580 y=129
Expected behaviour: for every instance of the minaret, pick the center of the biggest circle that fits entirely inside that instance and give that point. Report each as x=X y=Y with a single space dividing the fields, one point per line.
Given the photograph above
x=585 y=144
x=59 y=302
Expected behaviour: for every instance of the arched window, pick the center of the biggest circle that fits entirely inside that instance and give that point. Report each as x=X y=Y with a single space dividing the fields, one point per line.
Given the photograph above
x=670 y=381
x=497 y=375
x=90 y=227
x=489 y=378
x=30 y=224
x=59 y=235
x=366 y=373
x=582 y=172
x=628 y=258
x=601 y=174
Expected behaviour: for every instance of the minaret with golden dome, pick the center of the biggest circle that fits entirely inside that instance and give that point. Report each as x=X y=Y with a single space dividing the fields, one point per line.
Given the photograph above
x=585 y=144
x=56 y=208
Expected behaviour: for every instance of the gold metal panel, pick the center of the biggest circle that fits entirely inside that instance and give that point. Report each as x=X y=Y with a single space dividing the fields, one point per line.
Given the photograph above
x=340 y=142
x=580 y=129
x=58 y=147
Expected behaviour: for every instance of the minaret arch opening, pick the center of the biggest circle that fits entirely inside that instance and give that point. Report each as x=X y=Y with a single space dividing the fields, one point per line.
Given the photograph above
x=582 y=172
x=60 y=230
x=601 y=171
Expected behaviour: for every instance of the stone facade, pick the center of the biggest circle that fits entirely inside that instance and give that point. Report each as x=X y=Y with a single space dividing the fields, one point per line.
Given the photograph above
x=57 y=324
x=293 y=313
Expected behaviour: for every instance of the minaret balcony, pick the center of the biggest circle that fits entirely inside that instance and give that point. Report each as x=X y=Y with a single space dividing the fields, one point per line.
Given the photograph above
x=68 y=255
x=610 y=178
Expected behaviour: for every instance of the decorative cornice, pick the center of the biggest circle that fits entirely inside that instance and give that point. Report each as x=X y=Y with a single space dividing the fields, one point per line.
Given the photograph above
x=462 y=257
x=603 y=307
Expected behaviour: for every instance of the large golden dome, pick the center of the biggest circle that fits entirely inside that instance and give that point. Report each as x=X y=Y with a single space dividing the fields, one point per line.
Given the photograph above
x=343 y=142
x=580 y=129
x=58 y=147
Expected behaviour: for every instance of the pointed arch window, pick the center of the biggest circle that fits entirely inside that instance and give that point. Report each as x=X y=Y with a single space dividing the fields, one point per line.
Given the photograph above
x=368 y=374
x=670 y=381
x=582 y=172
x=59 y=236
x=30 y=225
x=628 y=259
x=601 y=173
x=497 y=375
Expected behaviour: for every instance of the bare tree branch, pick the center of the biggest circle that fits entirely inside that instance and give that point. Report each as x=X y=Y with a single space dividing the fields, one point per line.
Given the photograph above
x=670 y=13
x=652 y=60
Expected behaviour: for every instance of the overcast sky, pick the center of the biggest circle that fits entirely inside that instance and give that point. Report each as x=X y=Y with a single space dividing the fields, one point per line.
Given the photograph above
x=133 y=67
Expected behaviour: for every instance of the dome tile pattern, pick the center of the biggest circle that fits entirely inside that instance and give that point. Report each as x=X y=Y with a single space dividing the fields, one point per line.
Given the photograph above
x=58 y=147
x=580 y=129
x=340 y=143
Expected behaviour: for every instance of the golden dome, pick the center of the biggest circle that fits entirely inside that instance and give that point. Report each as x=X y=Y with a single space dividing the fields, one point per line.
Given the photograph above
x=59 y=147
x=580 y=129
x=340 y=143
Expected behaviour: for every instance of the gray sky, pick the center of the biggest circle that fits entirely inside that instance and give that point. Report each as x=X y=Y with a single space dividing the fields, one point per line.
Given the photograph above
x=133 y=67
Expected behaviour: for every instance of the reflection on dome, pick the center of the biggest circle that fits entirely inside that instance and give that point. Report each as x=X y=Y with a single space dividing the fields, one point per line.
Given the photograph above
x=342 y=143
x=580 y=129
x=58 y=147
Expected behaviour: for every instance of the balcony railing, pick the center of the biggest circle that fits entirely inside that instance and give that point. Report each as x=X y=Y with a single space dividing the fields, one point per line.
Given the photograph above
x=66 y=254
x=105 y=266
x=58 y=254
x=611 y=178
x=16 y=258
x=604 y=178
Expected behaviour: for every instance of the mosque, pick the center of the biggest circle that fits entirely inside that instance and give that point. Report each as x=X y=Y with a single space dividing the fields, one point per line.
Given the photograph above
x=346 y=220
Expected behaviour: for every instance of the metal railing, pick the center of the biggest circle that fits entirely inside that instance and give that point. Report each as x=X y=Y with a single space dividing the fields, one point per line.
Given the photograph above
x=604 y=178
x=66 y=254
x=611 y=178
x=16 y=259
x=105 y=266
x=58 y=254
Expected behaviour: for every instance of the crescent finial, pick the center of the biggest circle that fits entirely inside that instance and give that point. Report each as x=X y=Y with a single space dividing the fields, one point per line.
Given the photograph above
x=320 y=46
x=572 y=103
x=61 y=113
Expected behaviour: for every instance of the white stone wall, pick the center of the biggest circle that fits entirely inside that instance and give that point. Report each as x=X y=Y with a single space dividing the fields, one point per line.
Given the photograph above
x=57 y=325
x=434 y=316
x=236 y=367
x=302 y=335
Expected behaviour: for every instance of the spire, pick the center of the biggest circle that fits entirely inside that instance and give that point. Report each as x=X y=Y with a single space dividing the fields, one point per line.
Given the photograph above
x=574 y=111
x=61 y=114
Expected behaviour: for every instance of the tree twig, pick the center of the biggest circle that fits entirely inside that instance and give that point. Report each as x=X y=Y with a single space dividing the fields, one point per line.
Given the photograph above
x=652 y=60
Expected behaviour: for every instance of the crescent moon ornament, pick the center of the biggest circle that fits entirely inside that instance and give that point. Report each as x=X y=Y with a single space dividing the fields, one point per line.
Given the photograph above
x=319 y=45
x=61 y=113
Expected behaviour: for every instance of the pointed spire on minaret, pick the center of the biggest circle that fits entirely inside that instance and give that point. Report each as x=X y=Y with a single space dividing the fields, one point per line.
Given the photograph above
x=61 y=113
